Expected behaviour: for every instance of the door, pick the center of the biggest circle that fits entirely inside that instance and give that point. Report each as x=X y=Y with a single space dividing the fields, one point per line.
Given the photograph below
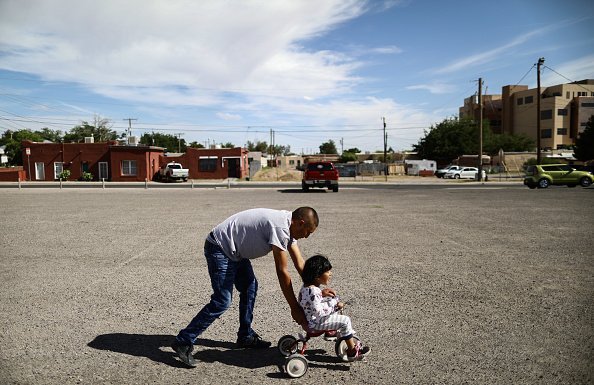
x=39 y=171
x=233 y=167
x=103 y=171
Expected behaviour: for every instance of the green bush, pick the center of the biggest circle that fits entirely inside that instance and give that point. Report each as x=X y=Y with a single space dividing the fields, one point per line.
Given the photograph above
x=64 y=175
x=87 y=176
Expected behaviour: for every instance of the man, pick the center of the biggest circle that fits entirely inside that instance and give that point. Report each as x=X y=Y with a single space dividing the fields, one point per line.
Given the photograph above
x=228 y=250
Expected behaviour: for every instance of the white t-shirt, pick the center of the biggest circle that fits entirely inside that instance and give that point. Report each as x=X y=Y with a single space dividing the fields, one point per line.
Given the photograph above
x=252 y=233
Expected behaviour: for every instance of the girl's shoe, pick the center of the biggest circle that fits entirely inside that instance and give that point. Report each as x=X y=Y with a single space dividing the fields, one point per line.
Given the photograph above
x=359 y=353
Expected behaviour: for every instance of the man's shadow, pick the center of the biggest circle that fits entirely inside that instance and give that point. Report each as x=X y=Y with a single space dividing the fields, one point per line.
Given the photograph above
x=158 y=348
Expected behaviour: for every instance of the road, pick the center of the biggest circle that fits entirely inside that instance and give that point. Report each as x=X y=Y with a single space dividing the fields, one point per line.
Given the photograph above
x=468 y=283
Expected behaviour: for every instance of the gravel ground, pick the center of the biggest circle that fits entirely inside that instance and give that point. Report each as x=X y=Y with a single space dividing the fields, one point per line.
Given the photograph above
x=451 y=285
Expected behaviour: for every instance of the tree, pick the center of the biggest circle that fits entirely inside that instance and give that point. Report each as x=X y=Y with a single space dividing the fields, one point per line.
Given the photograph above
x=328 y=147
x=195 y=144
x=348 y=156
x=353 y=150
x=227 y=145
x=170 y=142
x=454 y=137
x=101 y=131
x=258 y=146
x=12 y=140
x=584 y=143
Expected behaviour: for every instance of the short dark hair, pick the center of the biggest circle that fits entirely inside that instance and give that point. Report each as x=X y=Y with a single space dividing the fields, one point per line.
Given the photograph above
x=307 y=214
x=314 y=267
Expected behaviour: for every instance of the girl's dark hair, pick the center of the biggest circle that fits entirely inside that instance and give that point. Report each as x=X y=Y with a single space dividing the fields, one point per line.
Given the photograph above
x=314 y=267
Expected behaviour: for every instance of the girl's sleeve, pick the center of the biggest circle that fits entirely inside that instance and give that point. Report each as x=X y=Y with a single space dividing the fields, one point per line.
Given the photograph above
x=321 y=307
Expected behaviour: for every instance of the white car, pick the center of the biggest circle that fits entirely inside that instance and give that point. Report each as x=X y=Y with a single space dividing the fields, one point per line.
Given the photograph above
x=464 y=173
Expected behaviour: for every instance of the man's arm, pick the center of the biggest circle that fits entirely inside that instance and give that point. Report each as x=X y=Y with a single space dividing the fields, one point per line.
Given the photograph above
x=295 y=254
x=281 y=261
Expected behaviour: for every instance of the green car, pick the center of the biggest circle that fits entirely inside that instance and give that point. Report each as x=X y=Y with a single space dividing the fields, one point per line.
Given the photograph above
x=544 y=175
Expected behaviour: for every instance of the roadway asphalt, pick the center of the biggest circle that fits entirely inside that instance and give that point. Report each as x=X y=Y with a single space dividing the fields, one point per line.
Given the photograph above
x=452 y=284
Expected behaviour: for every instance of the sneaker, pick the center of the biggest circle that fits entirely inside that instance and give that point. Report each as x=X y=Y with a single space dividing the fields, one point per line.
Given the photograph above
x=359 y=353
x=330 y=335
x=184 y=352
x=253 y=342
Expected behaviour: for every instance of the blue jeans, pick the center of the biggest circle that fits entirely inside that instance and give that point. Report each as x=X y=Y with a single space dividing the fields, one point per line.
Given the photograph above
x=224 y=274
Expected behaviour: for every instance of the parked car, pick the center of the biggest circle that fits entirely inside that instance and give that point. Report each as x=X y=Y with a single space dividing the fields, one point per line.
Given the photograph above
x=173 y=171
x=464 y=173
x=440 y=173
x=320 y=174
x=542 y=176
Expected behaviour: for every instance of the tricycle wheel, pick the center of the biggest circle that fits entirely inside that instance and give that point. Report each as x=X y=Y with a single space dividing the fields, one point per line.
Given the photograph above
x=296 y=365
x=341 y=348
x=287 y=345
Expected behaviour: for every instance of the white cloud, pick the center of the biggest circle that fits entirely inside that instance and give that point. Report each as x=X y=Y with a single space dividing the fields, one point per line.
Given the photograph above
x=492 y=54
x=228 y=116
x=435 y=88
x=574 y=70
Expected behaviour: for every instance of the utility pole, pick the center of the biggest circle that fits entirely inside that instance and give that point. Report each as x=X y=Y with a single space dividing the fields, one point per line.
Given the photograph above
x=540 y=63
x=385 y=149
x=129 y=134
x=480 y=155
x=179 y=135
x=341 y=146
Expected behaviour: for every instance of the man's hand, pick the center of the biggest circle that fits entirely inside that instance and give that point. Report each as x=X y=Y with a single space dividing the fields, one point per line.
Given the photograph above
x=298 y=315
x=327 y=292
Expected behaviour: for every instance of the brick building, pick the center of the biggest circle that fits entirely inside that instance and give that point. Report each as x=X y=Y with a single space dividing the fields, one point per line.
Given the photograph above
x=120 y=163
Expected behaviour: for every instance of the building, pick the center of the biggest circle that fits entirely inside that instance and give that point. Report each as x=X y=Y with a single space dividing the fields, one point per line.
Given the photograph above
x=492 y=110
x=115 y=162
x=104 y=160
x=564 y=112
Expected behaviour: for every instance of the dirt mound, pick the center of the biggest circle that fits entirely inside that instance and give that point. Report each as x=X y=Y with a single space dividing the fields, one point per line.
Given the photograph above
x=277 y=174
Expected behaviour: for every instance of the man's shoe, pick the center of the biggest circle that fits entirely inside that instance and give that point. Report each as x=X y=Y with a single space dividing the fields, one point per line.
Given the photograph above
x=253 y=342
x=184 y=352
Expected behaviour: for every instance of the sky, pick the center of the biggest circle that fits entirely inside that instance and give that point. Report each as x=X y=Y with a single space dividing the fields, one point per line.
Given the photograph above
x=309 y=71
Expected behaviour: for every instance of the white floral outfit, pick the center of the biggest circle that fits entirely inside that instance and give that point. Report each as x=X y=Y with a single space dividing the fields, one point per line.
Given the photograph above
x=321 y=312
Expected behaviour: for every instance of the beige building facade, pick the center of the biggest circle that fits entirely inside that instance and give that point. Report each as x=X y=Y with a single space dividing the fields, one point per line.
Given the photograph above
x=564 y=112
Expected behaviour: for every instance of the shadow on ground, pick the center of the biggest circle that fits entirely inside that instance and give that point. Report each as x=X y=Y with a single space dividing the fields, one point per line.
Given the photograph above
x=157 y=348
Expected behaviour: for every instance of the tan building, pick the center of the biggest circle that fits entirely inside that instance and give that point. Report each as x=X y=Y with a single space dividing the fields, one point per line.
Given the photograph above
x=564 y=111
x=492 y=108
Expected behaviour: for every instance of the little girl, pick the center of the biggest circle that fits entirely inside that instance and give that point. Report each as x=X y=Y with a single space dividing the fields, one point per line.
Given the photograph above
x=322 y=312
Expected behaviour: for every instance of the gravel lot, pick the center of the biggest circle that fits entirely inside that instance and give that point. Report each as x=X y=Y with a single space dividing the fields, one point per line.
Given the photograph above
x=451 y=285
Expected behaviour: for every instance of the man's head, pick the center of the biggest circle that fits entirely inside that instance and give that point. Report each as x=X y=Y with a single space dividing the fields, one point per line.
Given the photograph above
x=304 y=221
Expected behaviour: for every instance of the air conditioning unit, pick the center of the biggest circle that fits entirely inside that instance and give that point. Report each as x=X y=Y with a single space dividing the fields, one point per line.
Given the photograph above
x=133 y=140
x=89 y=139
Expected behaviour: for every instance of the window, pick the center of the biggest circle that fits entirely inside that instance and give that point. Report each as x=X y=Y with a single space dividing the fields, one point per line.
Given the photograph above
x=207 y=164
x=561 y=131
x=568 y=95
x=562 y=111
x=291 y=162
x=547 y=133
x=587 y=104
x=546 y=114
x=128 y=167
x=520 y=101
x=58 y=168
x=529 y=99
x=582 y=93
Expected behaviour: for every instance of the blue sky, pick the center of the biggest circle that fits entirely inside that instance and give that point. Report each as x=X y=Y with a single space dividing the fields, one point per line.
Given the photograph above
x=312 y=71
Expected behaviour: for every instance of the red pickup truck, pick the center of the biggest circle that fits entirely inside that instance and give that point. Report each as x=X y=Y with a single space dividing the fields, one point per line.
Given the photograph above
x=320 y=174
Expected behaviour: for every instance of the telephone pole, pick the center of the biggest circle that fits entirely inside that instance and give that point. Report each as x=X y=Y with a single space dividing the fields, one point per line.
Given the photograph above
x=129 y=133
x=480 y=103
x=179 y=135
x=540 y=63
x=385 y=150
